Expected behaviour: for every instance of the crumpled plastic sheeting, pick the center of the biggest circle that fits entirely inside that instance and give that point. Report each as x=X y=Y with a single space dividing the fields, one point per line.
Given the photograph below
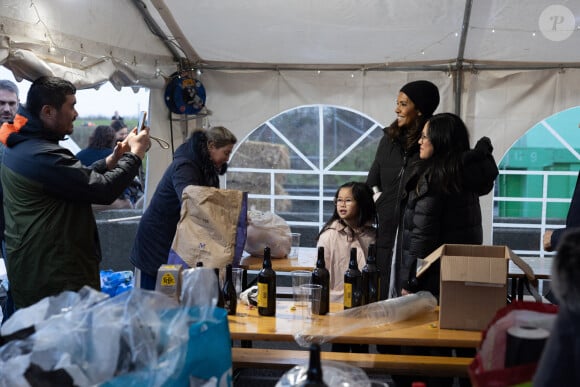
x=368 y=316
x=333 y=373
x=95 y=338
x=41 y=312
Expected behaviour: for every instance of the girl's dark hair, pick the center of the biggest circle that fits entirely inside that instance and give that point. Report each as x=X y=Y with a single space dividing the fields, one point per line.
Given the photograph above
x=103 y=137
x=50 y=91
x=363 y=196
x=450 y=139
x=407 y=136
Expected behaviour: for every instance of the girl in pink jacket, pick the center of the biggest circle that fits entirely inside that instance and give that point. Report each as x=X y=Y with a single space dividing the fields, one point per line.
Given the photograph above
x=351 y=225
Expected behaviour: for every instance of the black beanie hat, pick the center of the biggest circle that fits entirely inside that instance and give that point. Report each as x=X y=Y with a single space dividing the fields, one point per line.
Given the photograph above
x=424 y=95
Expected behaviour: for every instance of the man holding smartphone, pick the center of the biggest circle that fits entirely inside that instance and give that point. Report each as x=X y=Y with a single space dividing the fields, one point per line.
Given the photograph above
x=51 y=233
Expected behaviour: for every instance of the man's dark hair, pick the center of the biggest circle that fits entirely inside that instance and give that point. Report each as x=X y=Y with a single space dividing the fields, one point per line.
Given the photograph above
x=50 y=91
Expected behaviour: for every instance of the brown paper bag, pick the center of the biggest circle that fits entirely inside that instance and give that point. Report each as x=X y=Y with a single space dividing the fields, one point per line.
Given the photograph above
x=211 y=229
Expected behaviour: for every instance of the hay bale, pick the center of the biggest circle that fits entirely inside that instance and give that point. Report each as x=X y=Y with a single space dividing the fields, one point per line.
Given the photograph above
x=259 y=154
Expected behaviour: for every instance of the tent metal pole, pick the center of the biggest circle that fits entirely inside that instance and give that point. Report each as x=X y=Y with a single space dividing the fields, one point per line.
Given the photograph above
x=460 y=56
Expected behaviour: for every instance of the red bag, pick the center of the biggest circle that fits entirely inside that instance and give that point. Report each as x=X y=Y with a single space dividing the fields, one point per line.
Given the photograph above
x=487 y=369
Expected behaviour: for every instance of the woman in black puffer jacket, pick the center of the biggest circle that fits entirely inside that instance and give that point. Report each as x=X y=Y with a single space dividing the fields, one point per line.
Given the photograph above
x=443 y=197
x=442 y=206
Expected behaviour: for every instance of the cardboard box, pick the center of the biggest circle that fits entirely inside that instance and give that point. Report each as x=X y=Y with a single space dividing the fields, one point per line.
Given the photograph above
x=169 y=280
x=473 y=283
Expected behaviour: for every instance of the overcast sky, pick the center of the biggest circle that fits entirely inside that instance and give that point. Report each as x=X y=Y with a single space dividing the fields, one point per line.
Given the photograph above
x=102 y=102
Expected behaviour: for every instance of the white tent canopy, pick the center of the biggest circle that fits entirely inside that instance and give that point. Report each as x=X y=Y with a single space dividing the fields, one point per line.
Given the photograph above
x=503 y=65
x=94 y=40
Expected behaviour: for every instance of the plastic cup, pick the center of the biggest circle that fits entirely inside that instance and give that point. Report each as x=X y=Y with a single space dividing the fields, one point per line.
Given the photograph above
x=237 y=276
x=295 y=247
x=311 y=294
x=299 y=278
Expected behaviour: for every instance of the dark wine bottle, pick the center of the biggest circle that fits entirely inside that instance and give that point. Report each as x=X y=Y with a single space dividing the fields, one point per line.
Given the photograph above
x=229 y=292
x=321 y=276
x=267 y=287
x=314 y=373
x=352 y=283
x=370 y=278
x=220 y=302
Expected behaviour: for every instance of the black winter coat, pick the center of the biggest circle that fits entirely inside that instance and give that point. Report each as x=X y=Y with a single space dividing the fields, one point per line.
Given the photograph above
x=433 y=217
x=389 y=166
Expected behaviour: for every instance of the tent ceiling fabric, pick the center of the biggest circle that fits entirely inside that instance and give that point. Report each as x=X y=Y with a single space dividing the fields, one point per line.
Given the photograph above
x=376 y=33
x=87 y=42
x=91 y=42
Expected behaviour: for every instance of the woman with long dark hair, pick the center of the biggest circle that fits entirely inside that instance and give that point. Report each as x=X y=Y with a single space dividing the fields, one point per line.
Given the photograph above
x=442 y=206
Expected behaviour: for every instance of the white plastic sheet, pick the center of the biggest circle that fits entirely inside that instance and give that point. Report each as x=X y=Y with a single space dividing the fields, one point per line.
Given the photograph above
x=368 y=316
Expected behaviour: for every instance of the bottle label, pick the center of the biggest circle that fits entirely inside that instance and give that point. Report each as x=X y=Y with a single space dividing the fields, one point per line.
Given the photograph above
x=348 y=295
x=262 y=295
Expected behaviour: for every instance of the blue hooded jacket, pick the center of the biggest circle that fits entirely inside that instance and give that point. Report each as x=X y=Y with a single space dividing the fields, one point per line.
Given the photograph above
x=191 y=166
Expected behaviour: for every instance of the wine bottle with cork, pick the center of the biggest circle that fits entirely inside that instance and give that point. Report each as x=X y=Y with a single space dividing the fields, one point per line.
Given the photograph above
x=314 y=373
x=267 y=287
x=321 y=276
x=370 y=278
x=352 y=283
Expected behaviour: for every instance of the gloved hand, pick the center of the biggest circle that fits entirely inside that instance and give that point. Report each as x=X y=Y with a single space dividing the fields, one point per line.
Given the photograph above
x=484 y=145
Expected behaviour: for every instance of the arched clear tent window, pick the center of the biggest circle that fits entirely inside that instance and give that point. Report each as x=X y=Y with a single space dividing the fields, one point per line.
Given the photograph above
x=536 y=181
x=293 y=163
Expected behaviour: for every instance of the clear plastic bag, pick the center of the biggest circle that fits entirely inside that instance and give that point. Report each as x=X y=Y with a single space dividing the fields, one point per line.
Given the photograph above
x=267 y=229
x=138 y=338
x=368 y=316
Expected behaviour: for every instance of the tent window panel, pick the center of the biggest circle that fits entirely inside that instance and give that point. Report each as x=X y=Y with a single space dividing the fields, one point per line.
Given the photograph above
x=279 y=163
x=538 y=173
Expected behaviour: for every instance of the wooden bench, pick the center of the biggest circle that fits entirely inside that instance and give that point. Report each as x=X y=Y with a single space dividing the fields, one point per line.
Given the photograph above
x=392 y=364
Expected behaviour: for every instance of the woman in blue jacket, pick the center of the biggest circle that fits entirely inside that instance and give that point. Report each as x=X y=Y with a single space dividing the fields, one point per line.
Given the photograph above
x=199 y=161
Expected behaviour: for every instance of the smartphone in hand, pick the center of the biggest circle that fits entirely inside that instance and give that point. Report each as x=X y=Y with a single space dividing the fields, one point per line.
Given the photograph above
x=141 y=124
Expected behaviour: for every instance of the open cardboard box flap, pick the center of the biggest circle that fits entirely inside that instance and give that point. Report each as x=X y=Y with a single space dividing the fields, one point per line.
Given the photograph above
x=473 y=283
x=475 y=263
